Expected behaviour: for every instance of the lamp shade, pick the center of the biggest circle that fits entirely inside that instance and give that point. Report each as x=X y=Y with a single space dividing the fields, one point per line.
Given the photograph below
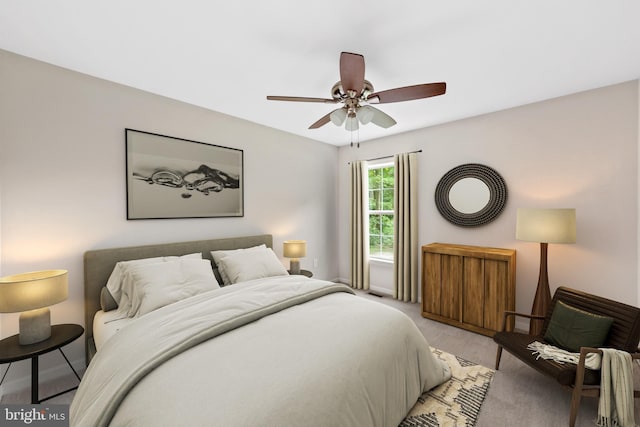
x=351 y=122
x=295 y=248
x=546 y=225
x=338 y=116
x=365 y=114
x=30 y=291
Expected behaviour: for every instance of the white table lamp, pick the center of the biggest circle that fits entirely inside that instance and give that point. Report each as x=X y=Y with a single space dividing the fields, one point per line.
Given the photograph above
x=32 y=294
x=295 y=249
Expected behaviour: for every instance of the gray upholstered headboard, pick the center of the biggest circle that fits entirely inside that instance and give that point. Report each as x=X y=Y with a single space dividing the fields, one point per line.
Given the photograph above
x=98 y=265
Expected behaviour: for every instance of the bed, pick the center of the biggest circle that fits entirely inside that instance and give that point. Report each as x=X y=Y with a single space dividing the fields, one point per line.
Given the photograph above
x=267 y=349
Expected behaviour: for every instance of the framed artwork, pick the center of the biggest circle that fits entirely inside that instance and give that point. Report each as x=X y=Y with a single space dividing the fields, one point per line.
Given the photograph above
x=170 y=177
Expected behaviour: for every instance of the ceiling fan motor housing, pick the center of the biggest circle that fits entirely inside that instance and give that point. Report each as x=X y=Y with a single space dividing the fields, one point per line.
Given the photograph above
x=338 y=93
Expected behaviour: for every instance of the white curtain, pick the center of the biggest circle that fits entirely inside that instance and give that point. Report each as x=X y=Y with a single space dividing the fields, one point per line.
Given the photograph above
x=359 y=226
x=405 y=251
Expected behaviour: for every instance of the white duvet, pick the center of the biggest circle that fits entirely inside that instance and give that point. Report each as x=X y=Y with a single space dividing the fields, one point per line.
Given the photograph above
x=334 y=360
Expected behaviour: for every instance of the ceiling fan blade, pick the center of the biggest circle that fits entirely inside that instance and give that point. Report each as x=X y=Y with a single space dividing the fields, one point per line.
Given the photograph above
x=352 y=72
x=301 y=99
x=321 y=121
x=380 y=118
x=408 y=93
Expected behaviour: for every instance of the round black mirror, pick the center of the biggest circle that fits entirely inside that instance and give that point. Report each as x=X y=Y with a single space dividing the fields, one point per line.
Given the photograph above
x=470 y=195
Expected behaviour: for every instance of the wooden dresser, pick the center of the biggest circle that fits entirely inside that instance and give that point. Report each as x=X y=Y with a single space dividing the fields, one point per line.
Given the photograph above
x=468 y=286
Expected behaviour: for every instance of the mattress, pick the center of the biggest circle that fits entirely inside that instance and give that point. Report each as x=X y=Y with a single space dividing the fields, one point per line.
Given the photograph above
x=106 y=324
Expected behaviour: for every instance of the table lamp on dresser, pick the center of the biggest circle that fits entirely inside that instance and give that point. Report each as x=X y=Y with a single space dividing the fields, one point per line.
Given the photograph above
x=32 y=294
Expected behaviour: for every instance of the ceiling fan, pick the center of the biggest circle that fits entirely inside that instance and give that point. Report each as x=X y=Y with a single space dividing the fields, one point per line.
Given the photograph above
x=356 y=94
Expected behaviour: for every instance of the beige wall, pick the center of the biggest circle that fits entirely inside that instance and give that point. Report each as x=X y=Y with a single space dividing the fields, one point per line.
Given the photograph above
x=63 y=179
x=576 y=151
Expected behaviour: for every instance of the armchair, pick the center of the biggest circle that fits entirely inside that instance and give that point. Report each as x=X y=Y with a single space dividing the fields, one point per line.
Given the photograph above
x=624 y=334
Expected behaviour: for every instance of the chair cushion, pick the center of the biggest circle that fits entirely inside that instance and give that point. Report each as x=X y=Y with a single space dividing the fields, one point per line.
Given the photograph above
x=564 y=373
x=571 y=328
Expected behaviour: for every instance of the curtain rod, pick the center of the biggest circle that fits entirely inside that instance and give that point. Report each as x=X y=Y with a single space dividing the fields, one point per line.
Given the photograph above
x=387 y=157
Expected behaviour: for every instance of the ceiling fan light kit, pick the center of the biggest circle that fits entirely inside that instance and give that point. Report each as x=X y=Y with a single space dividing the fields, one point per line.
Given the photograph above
x=352 y=122
x=338 y=116
x=356 y=94
x=365 y=114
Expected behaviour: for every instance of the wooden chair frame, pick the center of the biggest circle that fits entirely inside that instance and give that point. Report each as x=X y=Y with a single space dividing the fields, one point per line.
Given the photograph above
x=580 y=389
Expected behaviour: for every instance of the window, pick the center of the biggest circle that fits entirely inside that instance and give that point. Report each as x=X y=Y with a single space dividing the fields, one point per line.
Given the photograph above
x=381 y=195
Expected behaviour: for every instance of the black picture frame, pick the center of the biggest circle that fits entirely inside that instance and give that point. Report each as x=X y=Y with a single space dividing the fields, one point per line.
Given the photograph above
x=170 y=177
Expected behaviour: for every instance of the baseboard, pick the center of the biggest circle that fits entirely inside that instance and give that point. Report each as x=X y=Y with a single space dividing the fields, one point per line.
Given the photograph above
x=23 y=383
x=375 y=289
x=381 y=291
x=342 y=280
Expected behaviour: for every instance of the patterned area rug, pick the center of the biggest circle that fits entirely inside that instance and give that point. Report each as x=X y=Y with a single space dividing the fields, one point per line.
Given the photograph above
x=456 y=402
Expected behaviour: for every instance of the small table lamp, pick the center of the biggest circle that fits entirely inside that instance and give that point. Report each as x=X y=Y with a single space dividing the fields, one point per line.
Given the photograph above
x=544 y=226
x=32 y=294
x=295 y=249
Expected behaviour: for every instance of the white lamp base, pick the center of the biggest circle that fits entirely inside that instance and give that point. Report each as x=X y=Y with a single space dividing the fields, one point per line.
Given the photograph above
x=35 y=326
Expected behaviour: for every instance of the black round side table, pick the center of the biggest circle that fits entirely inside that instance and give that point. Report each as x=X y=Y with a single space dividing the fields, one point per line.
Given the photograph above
x=302 y=273
x=12 y=351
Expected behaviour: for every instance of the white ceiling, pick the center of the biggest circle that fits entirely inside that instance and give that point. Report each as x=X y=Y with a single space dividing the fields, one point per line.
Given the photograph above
x=227 y=56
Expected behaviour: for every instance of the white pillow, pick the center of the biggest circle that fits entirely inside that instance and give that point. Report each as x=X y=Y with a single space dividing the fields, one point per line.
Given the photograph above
x=151 y=286
x=251 y=265
x=114 y=284
x=218 y=255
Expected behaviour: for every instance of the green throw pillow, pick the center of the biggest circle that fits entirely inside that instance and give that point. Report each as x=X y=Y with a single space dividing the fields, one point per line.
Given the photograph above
x=571 y=328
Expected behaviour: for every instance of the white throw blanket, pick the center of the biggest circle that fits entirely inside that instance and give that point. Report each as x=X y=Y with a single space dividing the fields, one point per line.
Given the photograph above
x=546 y=351
x=616 y=390
x=615 y=408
